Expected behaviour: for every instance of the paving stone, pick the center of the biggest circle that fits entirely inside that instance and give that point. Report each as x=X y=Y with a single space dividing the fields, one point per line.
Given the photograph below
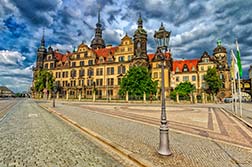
x=142 y=139
x=45 y=140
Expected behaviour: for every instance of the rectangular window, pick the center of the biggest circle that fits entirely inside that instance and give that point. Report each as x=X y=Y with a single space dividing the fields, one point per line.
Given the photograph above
x=119 y=81
x=177 y=79
x=193 y=78
x=51 y=66
x=81 y=73
x=185 y=78
x=85 y=54
x=66 y=74
x=110 y=71
x=73 y=73
x=89 y=92
x=122 y=49
x=81 y=63
x=78 y=56
x=121 y=70
x=129 y=58
x=99 y=71
x=73 y=64
x=90 y=62
x=90 y=72
x=155 y=74
x=99 y=82
x=110 y=92
x=110 y=81
x=81 y=82
x=89 y=82
x=202 y=68
x=46 y=66
x=121 y=59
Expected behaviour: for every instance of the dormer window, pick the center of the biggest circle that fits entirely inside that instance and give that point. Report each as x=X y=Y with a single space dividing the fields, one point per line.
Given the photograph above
x=193 y=68
x=206 y=60
x=101 y=60
x=185 y=68
x=177 y=69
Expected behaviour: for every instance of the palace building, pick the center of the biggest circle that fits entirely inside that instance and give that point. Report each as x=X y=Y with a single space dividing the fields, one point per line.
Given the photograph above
x=101 y=67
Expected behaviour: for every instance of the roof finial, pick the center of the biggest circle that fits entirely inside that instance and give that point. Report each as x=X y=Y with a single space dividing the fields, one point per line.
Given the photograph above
x=219 y=42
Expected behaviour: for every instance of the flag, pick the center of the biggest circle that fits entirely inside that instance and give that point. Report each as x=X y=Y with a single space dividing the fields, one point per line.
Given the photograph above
x=238 y=55
x=234 y=67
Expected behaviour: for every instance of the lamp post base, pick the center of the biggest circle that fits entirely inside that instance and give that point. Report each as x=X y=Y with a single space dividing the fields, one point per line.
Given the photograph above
x=164 y=142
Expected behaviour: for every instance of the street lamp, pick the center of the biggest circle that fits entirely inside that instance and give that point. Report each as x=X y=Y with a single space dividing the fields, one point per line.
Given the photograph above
x=55 y=87
x=162 y=38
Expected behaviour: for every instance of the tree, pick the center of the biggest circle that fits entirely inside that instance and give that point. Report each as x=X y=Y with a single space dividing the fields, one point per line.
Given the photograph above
x=138 y=81
x=213 y=81
x=183 y=89
x=44 y=80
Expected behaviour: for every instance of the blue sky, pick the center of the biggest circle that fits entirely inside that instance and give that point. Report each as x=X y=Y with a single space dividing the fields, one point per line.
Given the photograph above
x=196 y=26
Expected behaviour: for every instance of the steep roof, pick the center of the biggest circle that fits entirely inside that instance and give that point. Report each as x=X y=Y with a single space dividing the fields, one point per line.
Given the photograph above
x=105 y=52
x=61 y=57
x=152 y=55
x=180 y=64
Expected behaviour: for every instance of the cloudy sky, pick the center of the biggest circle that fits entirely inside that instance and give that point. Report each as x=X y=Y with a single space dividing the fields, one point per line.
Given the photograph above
x=195 y=26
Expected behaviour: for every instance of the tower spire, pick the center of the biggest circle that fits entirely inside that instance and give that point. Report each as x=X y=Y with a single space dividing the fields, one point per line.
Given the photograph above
x=140 y=21
x=99 y=16
x=97 y=41
x=42 y=44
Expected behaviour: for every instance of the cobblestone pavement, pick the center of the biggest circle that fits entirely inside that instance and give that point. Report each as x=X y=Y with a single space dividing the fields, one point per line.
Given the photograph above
x=207 y=121
x=30 y=136
x=5 y=104
x=246 y=111
x=142 y=138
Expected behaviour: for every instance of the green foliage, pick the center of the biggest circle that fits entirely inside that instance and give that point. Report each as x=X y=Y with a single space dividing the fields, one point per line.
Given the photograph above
x=183 y=89
x=137 y=81
x=44 y=80
x=18 y=94
x=213 y=81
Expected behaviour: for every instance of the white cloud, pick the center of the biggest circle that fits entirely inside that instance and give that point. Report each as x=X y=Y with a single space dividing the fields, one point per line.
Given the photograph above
x=12 y=73
x=11 y=57
x=63 y=47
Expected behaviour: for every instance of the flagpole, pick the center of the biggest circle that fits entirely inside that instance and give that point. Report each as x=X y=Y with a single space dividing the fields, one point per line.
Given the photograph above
x=235 y=96
x=232 y=91
x=239 y=89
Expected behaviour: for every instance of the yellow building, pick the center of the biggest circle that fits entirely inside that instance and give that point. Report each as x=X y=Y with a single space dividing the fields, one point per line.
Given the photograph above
x=101 y=68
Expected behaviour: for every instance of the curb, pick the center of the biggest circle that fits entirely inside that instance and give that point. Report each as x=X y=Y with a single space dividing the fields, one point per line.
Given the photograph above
x=132 y=156
x=239 y=118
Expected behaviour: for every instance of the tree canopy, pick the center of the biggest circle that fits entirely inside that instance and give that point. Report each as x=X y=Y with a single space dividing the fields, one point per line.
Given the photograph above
x=183 y=89
x=213 y=81
x=44 y=80
x=137 y=81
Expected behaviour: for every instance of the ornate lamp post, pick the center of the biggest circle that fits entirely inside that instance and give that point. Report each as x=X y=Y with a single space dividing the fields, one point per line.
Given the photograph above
x=162 y=38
